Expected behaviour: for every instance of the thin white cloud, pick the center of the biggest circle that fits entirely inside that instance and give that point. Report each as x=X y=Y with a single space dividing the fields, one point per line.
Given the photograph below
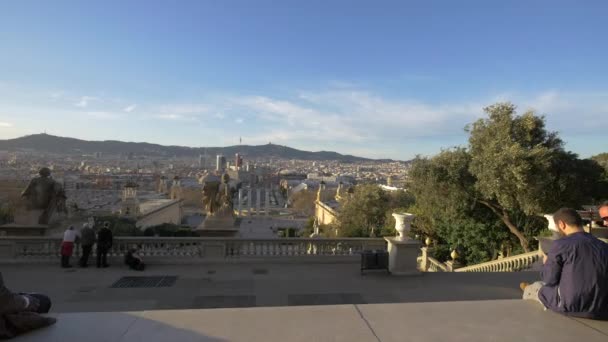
x=130 y=108
x=176 y=117
x=239 y=120
x=5 y=124
x=84 y=101
x=185 y=109
x=104 y=115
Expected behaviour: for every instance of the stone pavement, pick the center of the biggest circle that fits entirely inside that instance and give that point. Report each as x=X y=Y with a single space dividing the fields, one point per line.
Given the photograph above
x=495 y=320
x=226 y=285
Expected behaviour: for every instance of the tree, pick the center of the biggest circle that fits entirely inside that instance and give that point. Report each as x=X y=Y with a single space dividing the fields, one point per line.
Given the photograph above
x=303 y=202
x=446 y=211
x=367 y=211
x=513 y=167
x=602 y=159
x=517 y=166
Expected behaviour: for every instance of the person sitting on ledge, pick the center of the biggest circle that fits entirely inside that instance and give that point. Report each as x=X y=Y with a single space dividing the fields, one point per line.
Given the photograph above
x=575 y=271
x=19 y=312
x=133 y=260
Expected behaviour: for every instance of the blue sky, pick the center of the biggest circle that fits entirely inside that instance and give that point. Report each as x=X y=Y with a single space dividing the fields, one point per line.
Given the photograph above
x=372 y=78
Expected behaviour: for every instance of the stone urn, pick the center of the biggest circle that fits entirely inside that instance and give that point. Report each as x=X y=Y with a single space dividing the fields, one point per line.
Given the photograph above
x=403 y=225
x=545 y=242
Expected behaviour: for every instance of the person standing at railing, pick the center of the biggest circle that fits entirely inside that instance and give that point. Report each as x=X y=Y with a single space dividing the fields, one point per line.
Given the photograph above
x=104 y=243
x=70 y=237
x=87 y=240
x=575 y=272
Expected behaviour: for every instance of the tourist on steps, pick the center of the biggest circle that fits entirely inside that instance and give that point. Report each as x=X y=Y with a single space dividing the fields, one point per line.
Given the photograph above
x=87 y=240
x=104 y=243
x=70 y=237
x=575 y=271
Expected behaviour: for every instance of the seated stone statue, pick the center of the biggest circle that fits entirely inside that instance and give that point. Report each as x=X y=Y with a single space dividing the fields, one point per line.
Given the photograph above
x=44 y=194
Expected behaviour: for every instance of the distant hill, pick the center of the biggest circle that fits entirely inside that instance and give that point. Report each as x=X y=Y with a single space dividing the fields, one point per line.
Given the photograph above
x=55 y=144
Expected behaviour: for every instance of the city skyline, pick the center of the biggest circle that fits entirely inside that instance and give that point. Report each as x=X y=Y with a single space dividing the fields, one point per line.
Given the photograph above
x=388 y=80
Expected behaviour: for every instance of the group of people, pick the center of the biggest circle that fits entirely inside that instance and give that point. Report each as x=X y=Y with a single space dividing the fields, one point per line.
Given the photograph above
x=87 y=237
x=574 y=277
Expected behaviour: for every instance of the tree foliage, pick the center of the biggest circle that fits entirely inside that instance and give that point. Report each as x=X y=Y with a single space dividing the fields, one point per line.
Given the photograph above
x=303 y=202
x=366 y=212
x=512 y=171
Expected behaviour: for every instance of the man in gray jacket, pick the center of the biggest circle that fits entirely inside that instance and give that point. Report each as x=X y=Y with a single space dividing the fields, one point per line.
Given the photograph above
x=87 y=240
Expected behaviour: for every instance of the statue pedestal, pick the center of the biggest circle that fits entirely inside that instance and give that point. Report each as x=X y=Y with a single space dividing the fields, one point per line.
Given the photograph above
x=13 y=229
x=27 y=217
x=402 y=255
x=218 y=226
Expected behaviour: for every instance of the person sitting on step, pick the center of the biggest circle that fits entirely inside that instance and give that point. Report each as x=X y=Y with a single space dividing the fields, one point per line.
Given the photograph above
x=575 y=271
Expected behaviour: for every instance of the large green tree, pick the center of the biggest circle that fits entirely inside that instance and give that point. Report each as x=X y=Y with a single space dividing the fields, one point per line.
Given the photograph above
x=513 y=167
x=366 y=212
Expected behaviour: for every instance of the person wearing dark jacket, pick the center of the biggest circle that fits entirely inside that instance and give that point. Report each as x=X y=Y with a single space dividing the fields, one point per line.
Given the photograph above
x=133 y=259
x=104 y=243
x=19 y=312
x=87 y=240
x=575 y=271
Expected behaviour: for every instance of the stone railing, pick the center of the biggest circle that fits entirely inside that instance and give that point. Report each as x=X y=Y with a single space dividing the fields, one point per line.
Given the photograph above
x=194 y=248
x=514 y=263
x=434 y=265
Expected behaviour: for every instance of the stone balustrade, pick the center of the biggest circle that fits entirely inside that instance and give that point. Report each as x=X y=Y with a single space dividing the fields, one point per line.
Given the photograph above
x=514 y=263
x=435 y=265
x=191 y=248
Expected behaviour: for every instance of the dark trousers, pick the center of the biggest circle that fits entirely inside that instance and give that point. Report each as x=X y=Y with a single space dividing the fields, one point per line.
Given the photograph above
x=65 y=261
x=102 y=256
x=86 y=252
x=136 y=264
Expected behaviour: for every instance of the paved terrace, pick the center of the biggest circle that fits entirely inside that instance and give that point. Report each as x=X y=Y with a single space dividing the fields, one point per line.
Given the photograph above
x=292 y=302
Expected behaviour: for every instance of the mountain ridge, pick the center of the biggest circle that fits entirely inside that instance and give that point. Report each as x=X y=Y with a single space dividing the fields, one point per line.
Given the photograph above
x=55 y=144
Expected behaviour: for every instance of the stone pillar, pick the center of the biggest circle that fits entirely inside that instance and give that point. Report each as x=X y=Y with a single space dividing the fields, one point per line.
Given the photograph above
x=240 y=202
x=258 y=198
x=454 y=263
x=250 y=200
x=402 y=252
x=266 y=202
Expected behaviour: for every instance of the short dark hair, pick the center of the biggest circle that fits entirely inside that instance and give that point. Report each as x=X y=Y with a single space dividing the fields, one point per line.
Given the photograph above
x=568 y=216
x=604 y=204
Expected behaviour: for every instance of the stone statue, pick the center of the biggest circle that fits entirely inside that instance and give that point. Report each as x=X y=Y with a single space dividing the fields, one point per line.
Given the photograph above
x=43 y=194
x=211 y=185
x=224 y=197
